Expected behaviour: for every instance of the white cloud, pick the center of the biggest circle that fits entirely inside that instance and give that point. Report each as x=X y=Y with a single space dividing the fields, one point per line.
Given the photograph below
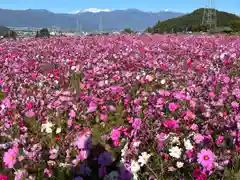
x=166 y=10
x=93 y=10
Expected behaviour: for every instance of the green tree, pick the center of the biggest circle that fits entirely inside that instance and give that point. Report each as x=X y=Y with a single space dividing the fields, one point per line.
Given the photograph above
x=37 y=34
x=44 y=32
x=235 y=25
x=128 y=31
x=149 y=30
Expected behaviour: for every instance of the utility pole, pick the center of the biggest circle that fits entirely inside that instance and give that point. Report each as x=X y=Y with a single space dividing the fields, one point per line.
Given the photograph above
x=80 y=29
x=100 y=28
x=209 y=15
x=77 y=26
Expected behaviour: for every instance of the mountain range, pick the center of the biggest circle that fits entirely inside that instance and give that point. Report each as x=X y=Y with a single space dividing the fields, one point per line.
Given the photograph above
x=89 y=20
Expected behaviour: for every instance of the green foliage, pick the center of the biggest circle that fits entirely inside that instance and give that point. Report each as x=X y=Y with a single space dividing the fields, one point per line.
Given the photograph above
x=149 y=30
x=221 y=30
x=2 y=95
x=75 y=81
x=114 y=119
x=128 y=31
x=192 y=22
x=235 y=25
x=43 y=33
x=234 y=172
x=235 y=73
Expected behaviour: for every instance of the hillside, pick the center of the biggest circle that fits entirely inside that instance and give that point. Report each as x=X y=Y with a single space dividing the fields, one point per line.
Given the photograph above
x=130 y=18
x=191 y=20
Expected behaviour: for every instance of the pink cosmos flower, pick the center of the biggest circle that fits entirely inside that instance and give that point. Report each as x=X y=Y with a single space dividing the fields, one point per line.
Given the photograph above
x=190 y=153
x=5 y=89
x=164 y=92
x=111 y=108
x=20 y=174
x=136 y=123
x=92 y=107
x=29 y=105
x=115 y=134
x=72 y=114
x=116 y=89
x=211 y=94
x=160 y=141
x=194 y=127
x=193 y=103
x=160 y=101
x=30 y=113
x=1 y=82
x=235 y=104
x=189 y=115
x=6 y=102
x=198 y=138
x=103 y=117
x=82 y=141
x=219 y=140
x=9 y=158
x=206 y=158
x=173 y=107
x=226 y=80
x=83 y=154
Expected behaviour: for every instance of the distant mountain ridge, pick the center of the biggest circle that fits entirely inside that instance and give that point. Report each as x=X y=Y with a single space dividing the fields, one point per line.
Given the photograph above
x=89 y=21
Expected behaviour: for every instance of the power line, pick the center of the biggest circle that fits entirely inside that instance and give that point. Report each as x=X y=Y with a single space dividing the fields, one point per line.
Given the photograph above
x=209 y=15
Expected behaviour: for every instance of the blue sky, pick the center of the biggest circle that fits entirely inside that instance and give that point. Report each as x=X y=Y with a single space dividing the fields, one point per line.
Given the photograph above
x=146 y=5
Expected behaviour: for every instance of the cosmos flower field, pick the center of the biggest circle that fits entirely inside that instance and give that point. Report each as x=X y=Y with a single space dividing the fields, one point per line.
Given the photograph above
x=120 y=107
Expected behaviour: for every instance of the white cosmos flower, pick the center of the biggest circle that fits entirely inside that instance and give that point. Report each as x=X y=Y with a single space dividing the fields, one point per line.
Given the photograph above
x=64 y=165
x=163 y=81
x=143 y=159
x=40 y=84
x=47 y=127
x=135 y=176
x=179 y=164
x=175 y=140
x=136 y=144
x=135 y=167
x=188 y=145
x=175 y=152
x=58 y=130
x=73 y=67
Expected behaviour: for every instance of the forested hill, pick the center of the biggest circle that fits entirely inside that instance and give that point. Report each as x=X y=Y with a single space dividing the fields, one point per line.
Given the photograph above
x=191 y=21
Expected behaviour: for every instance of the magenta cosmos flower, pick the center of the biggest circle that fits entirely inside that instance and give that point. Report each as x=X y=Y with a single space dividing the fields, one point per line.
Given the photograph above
x=206 y=158
x=171 y=124
x=3 y=177
x=173 y=107
x=219 y=140
x=115 y=134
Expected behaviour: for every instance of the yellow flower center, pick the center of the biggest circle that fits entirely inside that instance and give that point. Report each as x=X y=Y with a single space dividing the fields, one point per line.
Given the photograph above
x=206 y=157
x=11 y=158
